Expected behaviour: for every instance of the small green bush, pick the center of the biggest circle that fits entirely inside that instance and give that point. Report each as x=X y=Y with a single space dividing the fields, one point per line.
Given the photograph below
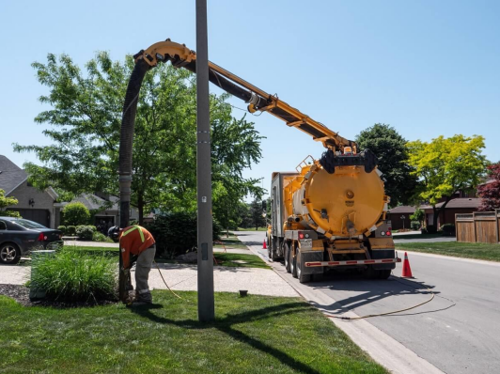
x=85 y=232
x=99 y=237
x=71 y=230
x=415 y=225
x=75 y=214
x=431 y=229
x=63 y=229
x=448 y=229
x=73 y=276
x=176 y=233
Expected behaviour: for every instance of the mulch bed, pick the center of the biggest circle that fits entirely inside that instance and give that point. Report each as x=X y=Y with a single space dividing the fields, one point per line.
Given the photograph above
x=21 y=295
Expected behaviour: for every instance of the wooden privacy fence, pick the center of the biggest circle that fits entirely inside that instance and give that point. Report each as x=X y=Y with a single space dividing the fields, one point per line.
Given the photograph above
x=478 y=227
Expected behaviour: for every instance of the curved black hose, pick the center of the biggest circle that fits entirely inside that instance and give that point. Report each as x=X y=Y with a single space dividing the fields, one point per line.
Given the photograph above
x=127 y=138
x=125 y=160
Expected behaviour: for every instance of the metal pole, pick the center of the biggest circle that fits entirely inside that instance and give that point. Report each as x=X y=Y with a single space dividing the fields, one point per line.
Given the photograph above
x=206 y=309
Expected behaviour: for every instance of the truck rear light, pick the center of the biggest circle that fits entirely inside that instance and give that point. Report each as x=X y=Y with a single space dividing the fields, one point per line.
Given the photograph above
x=382 y=233
x=301 y=235
x=388 y=233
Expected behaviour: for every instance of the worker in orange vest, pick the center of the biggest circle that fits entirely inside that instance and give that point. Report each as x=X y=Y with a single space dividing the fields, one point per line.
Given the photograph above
x=138 y=245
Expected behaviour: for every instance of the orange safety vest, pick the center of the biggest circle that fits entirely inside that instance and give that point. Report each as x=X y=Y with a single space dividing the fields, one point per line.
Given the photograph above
x=134 y=240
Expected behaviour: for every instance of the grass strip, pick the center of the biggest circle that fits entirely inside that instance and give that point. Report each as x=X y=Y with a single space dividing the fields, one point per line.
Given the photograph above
x=240 y=260
x=253 y=334
x=231 y=242
x=478 y=251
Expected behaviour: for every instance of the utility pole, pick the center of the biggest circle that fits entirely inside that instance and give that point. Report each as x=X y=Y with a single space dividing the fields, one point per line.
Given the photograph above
x=206 y=309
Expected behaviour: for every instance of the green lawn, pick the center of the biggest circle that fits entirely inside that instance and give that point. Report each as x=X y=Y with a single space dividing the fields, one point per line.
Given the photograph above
x=252 y=229
x=254 y=334
x=223 y=259
x=235 y=260
x=479 y=251
x=230 y=242
x=242 y=260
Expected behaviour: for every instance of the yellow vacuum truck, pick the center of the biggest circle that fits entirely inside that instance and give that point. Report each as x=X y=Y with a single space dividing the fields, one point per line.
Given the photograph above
x=331 y=216
x=329 y=213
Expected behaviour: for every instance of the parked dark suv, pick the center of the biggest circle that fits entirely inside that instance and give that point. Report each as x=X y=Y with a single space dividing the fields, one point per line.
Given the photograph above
x=20 y=236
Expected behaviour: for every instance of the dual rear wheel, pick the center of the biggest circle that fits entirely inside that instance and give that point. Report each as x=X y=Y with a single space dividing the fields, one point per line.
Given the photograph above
x=294 y=264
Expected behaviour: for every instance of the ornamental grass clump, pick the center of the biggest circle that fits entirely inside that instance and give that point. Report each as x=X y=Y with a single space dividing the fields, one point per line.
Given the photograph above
x=74 y=276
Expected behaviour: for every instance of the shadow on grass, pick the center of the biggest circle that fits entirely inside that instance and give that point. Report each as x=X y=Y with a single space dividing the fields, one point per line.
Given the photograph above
x=225 y=325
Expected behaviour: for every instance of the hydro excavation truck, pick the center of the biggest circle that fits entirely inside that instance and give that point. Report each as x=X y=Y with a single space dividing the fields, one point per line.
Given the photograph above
x=330 y=213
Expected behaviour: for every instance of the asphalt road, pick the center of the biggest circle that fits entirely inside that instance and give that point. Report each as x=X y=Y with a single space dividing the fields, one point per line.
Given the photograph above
x=458 y=331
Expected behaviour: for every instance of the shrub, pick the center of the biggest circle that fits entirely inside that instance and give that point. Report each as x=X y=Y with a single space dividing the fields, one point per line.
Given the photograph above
x=176 y=233
x=448 y=229
x=85 y=232
x=75 y=214
x=431 y=229
x=415 y=225
x=71 y=230
x=99 y=237
x=63 y=229
x=73 y=276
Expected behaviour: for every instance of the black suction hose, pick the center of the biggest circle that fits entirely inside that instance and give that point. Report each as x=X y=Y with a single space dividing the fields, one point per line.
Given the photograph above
x=125 y=159
x=127 y=138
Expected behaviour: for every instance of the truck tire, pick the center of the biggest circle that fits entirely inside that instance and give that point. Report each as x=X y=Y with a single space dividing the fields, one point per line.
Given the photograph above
x=10 y=254
x=293 y=264
x=287 y=257
x=272 y=249
x=384 y=274
x=303 y=278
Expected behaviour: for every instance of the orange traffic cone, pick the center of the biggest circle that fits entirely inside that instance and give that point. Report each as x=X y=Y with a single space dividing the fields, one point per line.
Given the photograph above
x=406 y=268
x=264 y=246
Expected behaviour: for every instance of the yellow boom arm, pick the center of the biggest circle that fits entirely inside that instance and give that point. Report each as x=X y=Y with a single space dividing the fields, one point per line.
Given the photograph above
x=258 y=100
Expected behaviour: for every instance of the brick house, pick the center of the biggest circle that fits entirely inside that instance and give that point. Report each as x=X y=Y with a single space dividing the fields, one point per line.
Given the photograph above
x=400 y=216
x=455 y=206
x=34 y=204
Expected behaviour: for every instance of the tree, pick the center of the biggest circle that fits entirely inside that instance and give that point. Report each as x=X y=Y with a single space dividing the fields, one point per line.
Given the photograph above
x=490 y=191
x=446 y=166
x=392 y=155
x=75 y=214
x=419 y=216
x=256 y=212
x=85 y=118
x=6 y=201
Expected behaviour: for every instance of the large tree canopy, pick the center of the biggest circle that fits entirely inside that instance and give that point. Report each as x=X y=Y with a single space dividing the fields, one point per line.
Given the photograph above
x=447 y=166
x=85 y=110
x=490 y=191
x=392 y=155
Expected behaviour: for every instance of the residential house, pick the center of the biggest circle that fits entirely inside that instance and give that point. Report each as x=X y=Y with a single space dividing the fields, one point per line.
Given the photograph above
x=400 y=217
x=106 y=209
x=34 y=204
x=454 y=206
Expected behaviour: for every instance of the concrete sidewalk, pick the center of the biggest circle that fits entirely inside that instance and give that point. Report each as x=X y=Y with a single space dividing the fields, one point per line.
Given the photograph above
x=184 y=278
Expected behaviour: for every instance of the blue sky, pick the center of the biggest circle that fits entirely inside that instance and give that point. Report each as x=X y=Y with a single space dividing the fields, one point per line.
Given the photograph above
x=428 y=68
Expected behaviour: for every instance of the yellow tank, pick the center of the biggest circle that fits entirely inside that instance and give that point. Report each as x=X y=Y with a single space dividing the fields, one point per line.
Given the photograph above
x=344 y=204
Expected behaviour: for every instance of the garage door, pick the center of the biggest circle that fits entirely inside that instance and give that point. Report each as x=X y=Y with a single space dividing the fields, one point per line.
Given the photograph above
x=42 y=216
